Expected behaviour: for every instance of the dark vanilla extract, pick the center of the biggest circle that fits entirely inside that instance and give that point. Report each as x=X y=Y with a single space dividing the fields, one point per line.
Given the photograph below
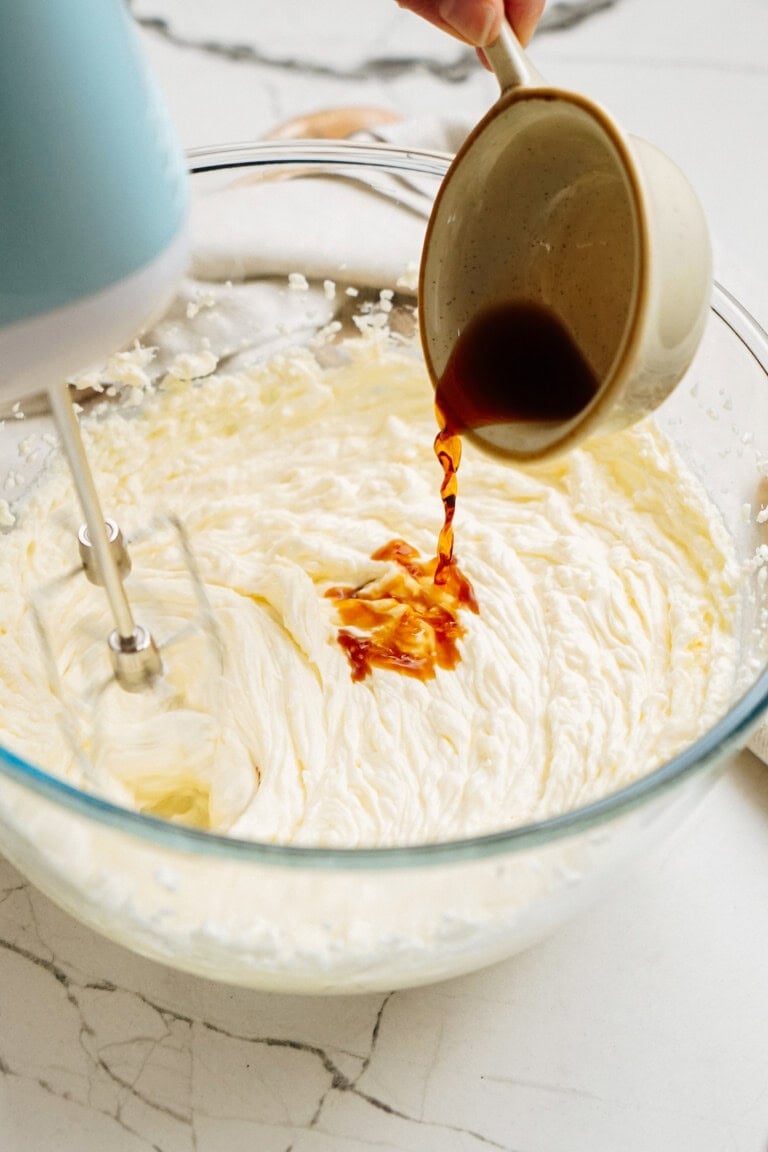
x=514 y=362
x=404 y=621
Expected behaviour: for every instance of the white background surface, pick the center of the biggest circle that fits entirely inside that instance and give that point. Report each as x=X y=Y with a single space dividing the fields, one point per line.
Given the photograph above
x=643 y=1027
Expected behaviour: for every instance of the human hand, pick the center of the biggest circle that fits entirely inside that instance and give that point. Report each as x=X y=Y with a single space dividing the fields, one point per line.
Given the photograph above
x=478 y=22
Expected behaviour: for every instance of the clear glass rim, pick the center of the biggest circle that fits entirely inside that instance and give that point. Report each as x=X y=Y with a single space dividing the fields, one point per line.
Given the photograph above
x=725 y=737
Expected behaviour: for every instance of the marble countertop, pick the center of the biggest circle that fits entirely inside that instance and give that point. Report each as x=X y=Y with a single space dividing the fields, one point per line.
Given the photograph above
x=643 y=1026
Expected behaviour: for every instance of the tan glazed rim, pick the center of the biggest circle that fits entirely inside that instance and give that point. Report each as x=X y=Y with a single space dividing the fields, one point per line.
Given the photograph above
x=633 y=335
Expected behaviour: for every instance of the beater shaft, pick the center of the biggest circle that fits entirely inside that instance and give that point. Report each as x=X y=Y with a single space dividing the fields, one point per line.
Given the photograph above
x=134 y=655
x=72 y=443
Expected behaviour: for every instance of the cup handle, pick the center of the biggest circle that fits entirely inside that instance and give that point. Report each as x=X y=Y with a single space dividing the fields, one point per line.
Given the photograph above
x=512 y=67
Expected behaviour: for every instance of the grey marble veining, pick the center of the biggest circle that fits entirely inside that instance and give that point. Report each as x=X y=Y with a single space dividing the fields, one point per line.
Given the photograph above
x=372 y=68
x=560 y=16
x=595 y=1037
x=569 y=13
x=141 y=1063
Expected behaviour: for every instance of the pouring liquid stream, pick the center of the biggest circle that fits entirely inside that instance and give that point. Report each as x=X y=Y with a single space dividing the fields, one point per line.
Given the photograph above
x=514 y=363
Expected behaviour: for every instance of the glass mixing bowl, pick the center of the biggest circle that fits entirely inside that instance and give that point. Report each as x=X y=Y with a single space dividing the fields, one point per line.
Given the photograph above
x=328 y=920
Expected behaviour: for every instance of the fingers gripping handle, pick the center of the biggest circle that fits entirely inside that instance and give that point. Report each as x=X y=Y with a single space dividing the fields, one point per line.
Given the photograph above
x=510 y=63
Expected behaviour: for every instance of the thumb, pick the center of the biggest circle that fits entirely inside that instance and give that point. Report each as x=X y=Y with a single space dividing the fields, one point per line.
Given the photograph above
x=524 y=15
x=477 y=21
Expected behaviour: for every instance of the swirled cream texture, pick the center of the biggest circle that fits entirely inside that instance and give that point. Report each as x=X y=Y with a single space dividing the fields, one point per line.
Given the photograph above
x=605 y=640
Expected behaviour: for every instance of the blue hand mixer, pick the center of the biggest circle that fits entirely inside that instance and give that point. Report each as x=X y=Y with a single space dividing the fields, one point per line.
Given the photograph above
x=92 y=236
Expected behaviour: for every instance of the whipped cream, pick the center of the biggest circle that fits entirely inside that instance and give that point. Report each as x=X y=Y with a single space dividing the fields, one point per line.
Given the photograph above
x=605 y=641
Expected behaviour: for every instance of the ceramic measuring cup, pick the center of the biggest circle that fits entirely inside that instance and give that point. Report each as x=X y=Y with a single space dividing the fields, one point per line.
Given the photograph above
x=549 y=202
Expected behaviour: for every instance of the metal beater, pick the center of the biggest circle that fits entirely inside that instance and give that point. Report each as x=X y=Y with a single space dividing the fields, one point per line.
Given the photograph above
x=135 y=658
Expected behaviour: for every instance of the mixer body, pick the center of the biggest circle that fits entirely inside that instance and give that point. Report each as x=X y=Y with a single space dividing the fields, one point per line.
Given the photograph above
x=92 y=191
x=92 y=235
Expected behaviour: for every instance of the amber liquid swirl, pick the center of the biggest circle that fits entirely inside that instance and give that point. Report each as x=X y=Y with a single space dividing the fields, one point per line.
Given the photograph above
x=514 y=362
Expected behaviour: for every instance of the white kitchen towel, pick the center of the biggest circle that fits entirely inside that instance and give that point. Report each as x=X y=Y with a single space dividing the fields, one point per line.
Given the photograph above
x=273 y=256
x=357 y=227
x=758 y=743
